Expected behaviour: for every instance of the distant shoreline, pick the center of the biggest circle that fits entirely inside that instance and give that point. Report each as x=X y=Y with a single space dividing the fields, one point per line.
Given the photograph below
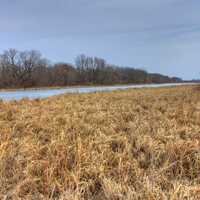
x=85 y=86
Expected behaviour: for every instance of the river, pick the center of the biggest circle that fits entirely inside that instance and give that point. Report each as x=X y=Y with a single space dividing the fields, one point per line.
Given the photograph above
x=44 y=93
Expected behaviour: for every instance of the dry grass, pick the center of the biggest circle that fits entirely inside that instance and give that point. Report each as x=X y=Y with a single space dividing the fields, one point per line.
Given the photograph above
x=141 y=144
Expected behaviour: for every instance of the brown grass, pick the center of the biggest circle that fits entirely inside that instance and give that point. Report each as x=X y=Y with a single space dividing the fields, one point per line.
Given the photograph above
x=141 y=144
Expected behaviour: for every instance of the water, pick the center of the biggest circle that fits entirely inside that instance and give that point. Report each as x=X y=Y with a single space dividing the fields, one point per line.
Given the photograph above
x=44 y=93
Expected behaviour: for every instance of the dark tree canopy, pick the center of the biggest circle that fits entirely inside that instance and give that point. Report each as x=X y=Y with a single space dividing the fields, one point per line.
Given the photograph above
x=30 y=69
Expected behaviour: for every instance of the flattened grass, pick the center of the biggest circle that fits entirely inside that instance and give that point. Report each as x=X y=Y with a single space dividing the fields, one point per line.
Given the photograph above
x=123 y=145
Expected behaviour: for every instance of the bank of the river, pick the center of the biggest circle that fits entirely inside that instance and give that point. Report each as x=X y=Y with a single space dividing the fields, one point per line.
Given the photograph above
x=80 y=86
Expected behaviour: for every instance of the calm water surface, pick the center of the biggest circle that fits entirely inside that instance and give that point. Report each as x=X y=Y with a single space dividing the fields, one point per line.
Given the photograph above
x=44 y=93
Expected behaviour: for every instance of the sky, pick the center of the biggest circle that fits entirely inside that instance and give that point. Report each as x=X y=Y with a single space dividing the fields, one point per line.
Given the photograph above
x=161 y=36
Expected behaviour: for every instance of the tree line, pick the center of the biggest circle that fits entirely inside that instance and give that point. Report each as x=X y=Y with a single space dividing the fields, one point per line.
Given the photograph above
x=30 y=69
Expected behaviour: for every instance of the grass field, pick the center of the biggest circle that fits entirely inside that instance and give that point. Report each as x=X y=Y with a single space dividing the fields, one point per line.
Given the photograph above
x=140 y=144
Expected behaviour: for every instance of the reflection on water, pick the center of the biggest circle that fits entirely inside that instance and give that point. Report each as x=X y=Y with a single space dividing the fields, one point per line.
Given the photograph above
x=43 y=93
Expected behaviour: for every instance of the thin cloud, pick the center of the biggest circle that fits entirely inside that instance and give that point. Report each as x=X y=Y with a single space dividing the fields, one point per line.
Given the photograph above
x=156 y=29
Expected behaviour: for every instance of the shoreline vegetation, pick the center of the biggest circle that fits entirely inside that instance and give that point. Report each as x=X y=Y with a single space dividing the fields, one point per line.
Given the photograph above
x=29 y=69
x=122 y=145
x=86 y=86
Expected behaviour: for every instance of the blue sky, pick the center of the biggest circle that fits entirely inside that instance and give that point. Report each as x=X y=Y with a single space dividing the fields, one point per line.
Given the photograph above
x=157 y=35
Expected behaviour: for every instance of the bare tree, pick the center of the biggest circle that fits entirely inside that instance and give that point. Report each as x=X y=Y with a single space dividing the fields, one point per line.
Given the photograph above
x=64 y=74
x=28 y=62
x=9 y=67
